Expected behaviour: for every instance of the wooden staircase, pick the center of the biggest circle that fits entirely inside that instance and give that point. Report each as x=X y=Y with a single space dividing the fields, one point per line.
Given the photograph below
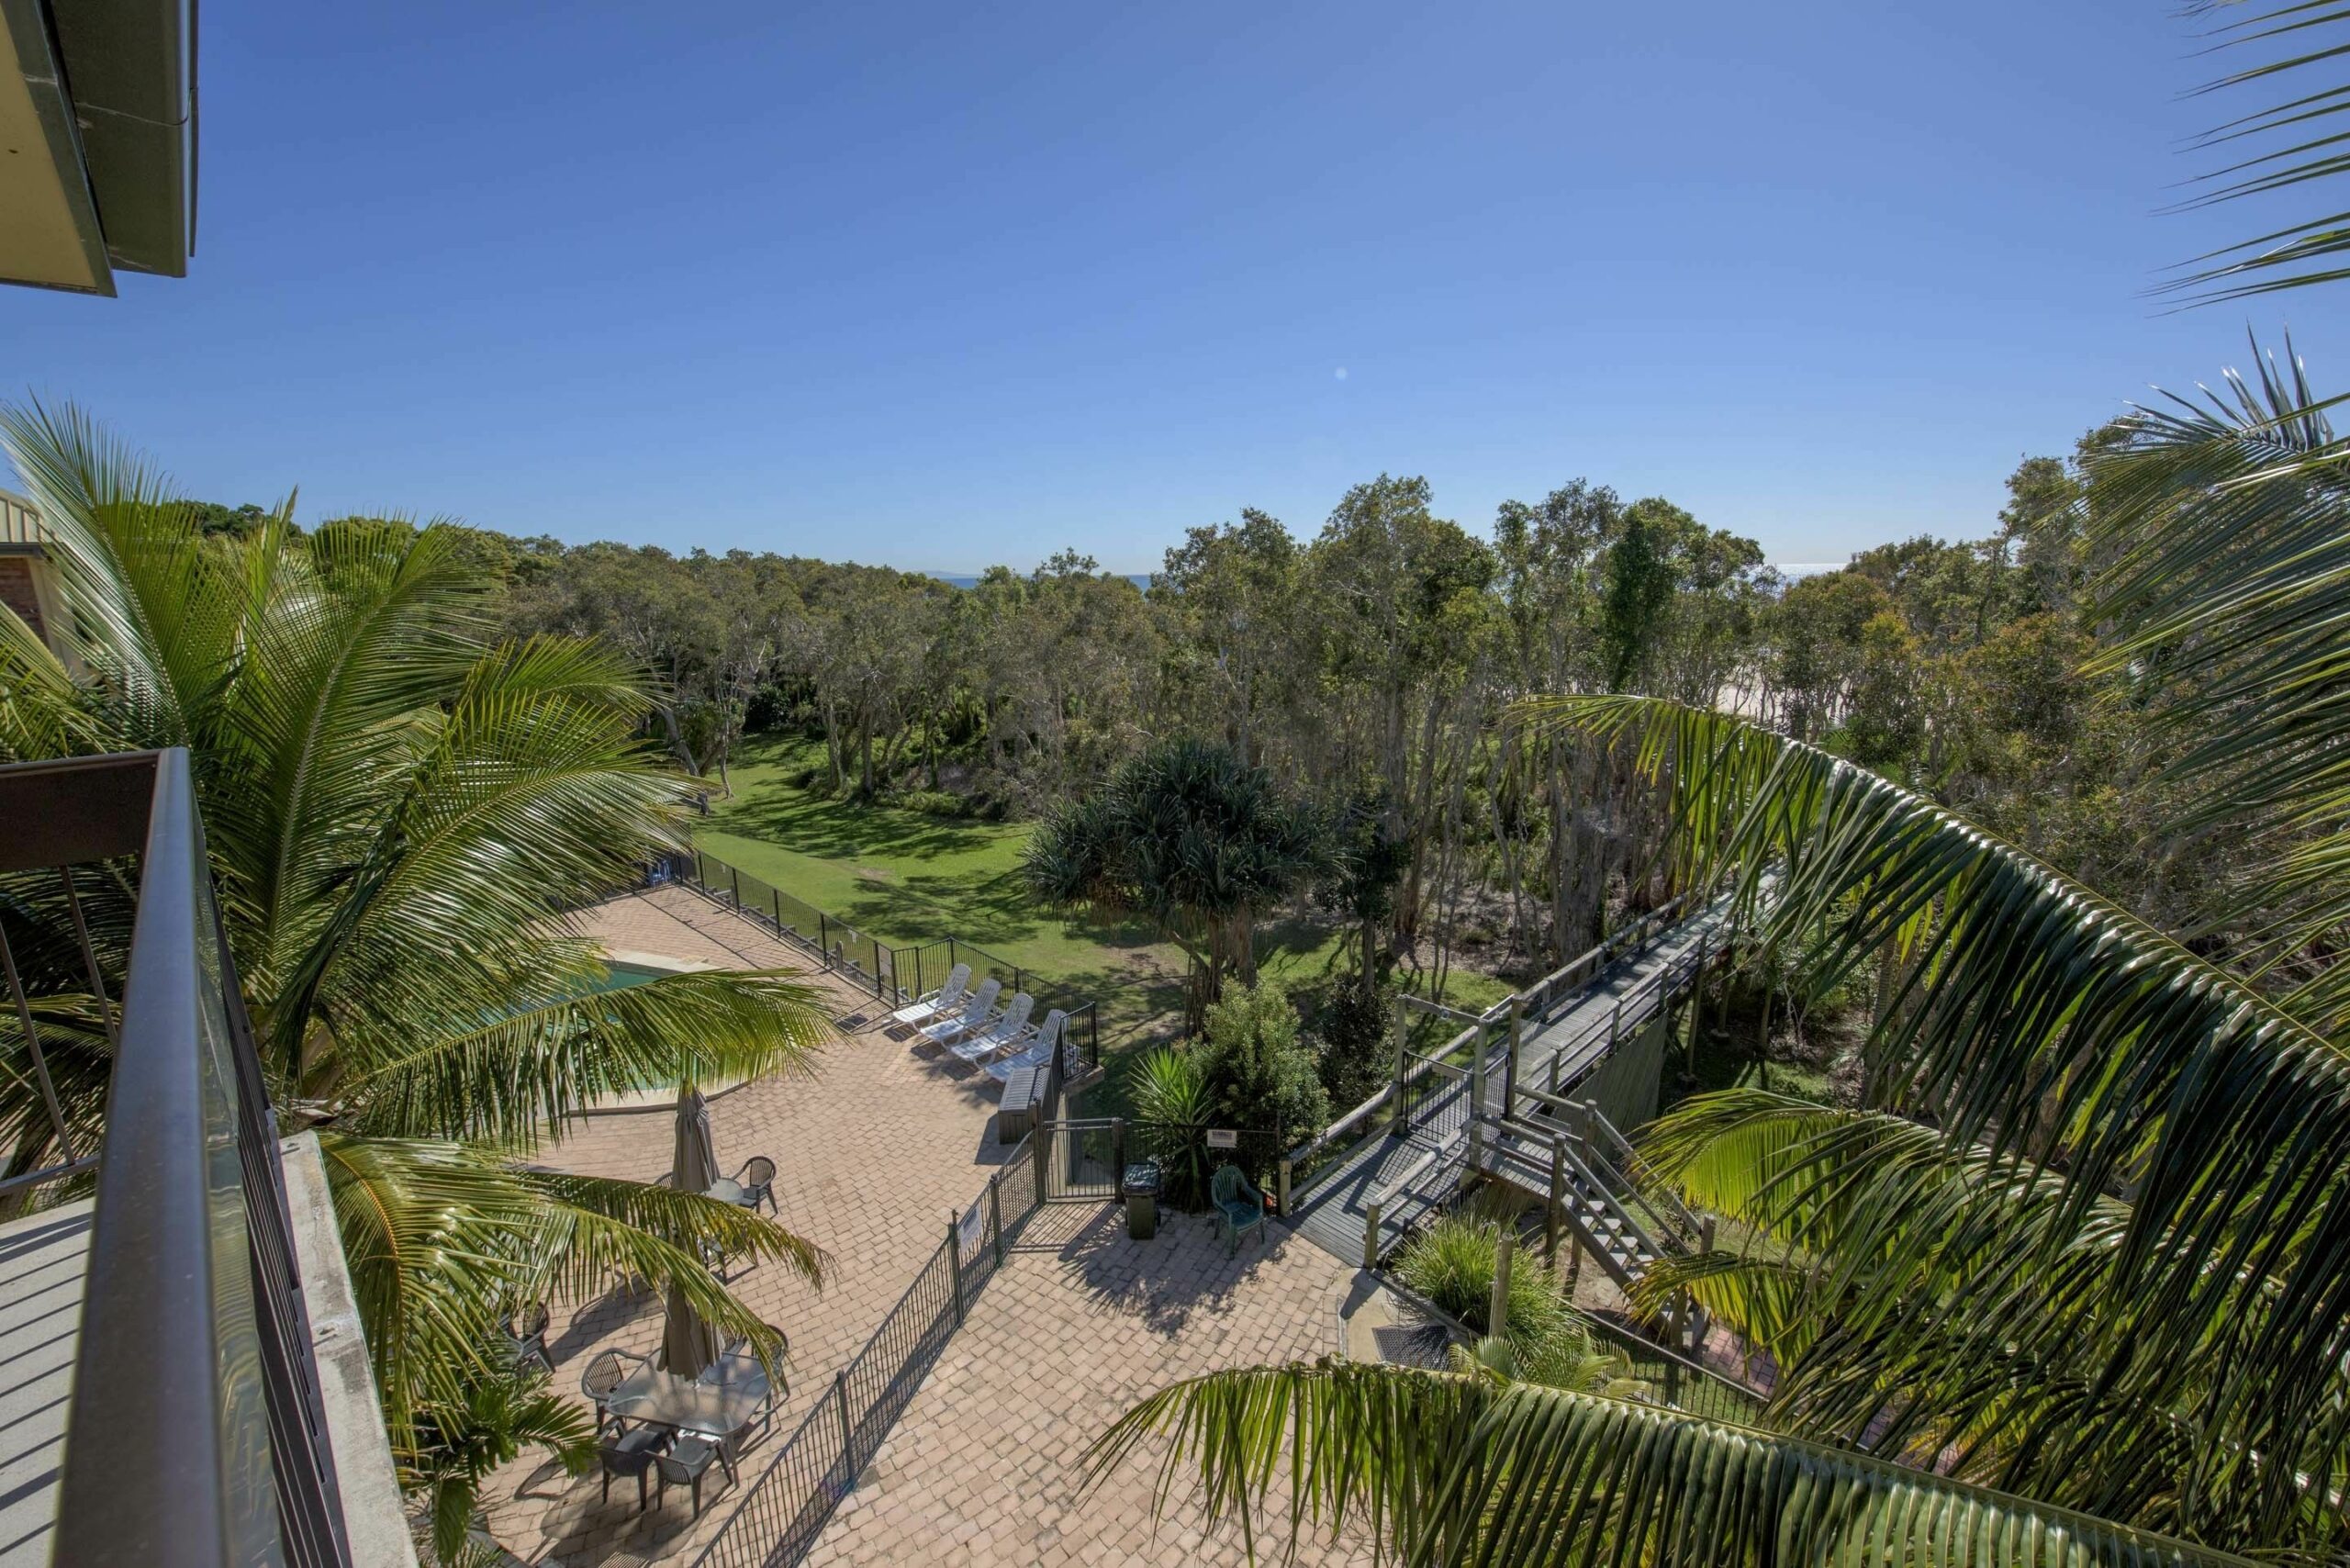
x=1567 y=1160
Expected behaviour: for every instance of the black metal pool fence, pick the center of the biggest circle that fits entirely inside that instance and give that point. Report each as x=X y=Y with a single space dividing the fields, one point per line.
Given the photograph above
x=894 y=975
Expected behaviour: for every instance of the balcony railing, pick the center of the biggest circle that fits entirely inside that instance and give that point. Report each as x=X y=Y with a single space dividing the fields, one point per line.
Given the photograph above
x=195 y=1433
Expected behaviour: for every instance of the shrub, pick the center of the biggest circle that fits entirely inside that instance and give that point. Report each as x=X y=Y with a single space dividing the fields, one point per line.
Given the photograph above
x=934 y=803
x=1353 y=1026
x=1451 y=1263
x=1566 y=1357
x=1259 y=1073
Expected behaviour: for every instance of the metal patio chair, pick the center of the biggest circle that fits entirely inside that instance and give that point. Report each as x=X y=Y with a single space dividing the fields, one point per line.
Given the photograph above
x=686 y=1461
x=757 y=1180
x=526 y=1336
x=606 y=1373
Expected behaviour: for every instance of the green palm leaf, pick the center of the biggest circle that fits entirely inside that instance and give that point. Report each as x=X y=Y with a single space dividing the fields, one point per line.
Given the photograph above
x=514 y=1074
x=2226 y=575
x=1460 y=1468
x=2281 y=147
x=399 y=809
x=441 y=1237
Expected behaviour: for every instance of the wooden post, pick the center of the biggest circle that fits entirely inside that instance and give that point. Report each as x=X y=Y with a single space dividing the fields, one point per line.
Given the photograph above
x=1516 y=1048
x=1558 y=1199
x=1040 y=1135
x=1497 y=1310
x=778 y=907
x=1370 y=1235
x=1284 y=1186
x=955 y=1266
x=1395 y=1121
x=1476 y=1097
x=848 y=1428
x=1117 y=1149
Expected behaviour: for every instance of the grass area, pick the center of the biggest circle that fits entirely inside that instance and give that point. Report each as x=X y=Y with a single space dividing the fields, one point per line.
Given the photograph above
x=906 y=875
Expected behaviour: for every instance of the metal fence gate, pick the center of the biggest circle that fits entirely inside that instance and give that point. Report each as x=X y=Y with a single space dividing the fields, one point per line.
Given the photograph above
x=1079 y=1160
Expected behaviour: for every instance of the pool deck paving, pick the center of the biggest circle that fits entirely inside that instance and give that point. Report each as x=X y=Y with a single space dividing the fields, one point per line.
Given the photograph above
x=876 y=1149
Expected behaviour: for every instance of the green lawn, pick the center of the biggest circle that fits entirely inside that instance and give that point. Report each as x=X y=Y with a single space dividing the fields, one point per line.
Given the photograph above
x=907 y=876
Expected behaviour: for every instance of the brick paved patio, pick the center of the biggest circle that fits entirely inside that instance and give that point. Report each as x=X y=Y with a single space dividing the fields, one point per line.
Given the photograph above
x=1082 y=1323
x=875 y=1152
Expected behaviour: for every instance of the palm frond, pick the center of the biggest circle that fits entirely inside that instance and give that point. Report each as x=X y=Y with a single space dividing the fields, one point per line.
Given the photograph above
x=589 y=1227
x=2068 y=1044
x=434 y=1236
x=441 y=1237
x=2226 y=575
x=1460 y=1468
x=157 y=616
x=445 y=1072
x=2289 y=146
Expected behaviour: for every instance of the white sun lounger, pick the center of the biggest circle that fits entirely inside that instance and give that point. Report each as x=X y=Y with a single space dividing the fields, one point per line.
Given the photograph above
x=1008 y=1030
x=974 y=1015
x=1036 y=1053
x=945 y=999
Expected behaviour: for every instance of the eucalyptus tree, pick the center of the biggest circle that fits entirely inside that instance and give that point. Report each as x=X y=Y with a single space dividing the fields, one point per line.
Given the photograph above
x=399 y=806
x=1405 y=619
x=1231 y=594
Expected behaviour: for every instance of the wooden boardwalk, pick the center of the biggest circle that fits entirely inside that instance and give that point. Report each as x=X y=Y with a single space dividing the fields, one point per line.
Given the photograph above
x=1573 y=1034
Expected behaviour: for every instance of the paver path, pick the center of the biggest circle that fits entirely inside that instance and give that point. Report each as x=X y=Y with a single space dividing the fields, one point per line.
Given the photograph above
x=1080 y=1323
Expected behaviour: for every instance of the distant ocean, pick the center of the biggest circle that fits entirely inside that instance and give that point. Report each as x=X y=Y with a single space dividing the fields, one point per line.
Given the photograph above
x=1140 y=579
x=1787 y=569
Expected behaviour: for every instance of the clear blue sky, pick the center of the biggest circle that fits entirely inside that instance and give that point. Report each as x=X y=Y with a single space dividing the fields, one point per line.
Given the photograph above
x=943 y=286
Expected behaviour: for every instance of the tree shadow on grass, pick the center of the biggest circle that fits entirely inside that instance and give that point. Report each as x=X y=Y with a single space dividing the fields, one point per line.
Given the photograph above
x=833 y=829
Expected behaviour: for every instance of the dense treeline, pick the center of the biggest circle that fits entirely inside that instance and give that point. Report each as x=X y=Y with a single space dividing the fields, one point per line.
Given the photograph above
x=1366 y=667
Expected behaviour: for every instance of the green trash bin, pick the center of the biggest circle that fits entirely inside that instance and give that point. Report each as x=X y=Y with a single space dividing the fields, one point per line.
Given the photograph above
x=1139 y=1187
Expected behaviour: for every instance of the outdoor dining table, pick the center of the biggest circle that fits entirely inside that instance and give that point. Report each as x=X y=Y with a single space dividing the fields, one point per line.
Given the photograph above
x=726 y=1189
x=663 y=1399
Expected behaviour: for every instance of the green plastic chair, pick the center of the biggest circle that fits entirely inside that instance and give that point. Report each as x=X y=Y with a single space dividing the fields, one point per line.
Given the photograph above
x=1238 y=1207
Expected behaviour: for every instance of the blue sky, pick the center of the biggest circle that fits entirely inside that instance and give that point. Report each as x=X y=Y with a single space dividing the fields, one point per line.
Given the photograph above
x=946 y=285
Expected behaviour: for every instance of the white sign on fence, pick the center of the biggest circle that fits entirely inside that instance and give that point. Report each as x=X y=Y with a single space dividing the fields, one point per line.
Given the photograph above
x=1222 y=1137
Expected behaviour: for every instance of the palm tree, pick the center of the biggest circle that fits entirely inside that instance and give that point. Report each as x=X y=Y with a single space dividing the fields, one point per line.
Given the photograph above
x=399 y=808
x=2078 y=1270
x=459 y=1448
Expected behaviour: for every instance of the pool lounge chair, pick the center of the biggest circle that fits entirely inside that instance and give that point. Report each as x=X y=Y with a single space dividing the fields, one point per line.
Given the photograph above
x=1001 y=1034
x=975 y=1015
x=945 y=999
x=1035 y=1053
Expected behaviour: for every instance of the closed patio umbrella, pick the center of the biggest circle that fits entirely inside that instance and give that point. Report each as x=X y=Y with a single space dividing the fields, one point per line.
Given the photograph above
x=688 y=1344
x=696 y=1166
